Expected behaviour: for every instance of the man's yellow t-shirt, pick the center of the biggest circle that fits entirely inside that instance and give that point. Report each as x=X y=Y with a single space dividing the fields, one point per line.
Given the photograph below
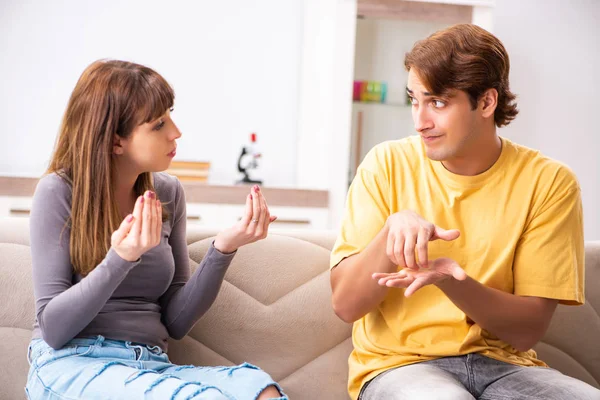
x=521 y=230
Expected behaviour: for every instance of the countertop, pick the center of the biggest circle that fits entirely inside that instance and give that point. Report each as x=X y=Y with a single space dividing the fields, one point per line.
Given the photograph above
x=197 y=192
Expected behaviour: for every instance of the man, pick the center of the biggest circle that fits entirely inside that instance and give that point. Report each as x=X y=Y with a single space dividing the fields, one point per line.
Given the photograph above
x=457 y=244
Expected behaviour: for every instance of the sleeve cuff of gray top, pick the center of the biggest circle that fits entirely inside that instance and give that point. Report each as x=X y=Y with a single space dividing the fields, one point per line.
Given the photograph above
x=214 y=252
x=114 y=260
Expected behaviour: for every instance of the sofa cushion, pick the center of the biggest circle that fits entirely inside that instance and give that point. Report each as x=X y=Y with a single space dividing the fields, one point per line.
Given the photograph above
x=274 y=311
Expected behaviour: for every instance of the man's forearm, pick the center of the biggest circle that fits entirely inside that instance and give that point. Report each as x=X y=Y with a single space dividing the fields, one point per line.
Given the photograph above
x=519 y=321
x=355 y=293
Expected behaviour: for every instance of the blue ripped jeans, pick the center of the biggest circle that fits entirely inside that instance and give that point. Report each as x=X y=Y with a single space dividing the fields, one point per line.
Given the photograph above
x=98 y=368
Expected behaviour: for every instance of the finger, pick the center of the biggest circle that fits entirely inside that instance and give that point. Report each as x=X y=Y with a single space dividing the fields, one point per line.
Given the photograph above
x=137 y=216
x=123 y=230
x=255 y=210
x=153 y=218
x=443 y=234
x=400 y=274
x=458 y=273
x=146 y=218
x=416 y=285
x=267 y=215
x=399 y=283
x=392 y=277
x=422 y=242
x=381 y=275
x=399 y=250
x=262 y=216
x=158 y=220
x=389 y=249
x=247 y=211
x=409 y=251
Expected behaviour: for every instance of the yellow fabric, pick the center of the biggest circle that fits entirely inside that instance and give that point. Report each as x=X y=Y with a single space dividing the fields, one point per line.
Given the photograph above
x=521 y=230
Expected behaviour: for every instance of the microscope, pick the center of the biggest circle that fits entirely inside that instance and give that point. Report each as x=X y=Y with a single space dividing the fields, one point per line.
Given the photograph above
x=248 y=160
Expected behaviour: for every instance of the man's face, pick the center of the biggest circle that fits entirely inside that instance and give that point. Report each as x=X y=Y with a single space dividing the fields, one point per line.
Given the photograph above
x=447 y=125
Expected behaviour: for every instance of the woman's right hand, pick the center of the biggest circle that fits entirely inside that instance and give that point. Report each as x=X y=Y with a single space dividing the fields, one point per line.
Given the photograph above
x=140 y=231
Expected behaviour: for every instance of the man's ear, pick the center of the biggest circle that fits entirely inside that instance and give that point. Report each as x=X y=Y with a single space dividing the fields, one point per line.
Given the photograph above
x=117 y=144
x=488 y=103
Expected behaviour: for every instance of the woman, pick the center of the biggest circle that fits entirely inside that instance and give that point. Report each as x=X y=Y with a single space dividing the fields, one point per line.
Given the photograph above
x=110 y=261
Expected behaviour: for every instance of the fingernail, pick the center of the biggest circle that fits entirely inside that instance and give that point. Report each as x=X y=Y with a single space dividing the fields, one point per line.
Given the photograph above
x=250 y=197
x=129 y=218
x=142 y=200
x=157 y=203
x=151 y=195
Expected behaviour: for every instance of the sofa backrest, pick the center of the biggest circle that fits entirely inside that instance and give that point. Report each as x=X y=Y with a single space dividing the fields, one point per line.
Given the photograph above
x=274 y=311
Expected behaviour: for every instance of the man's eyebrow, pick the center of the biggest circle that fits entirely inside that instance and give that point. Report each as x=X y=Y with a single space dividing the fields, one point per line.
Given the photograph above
x=424 y=93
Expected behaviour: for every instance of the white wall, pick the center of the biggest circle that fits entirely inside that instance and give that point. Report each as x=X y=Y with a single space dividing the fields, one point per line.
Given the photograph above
x=554 y=47
x=326 y=99
x=380 y=49
x=234 y=66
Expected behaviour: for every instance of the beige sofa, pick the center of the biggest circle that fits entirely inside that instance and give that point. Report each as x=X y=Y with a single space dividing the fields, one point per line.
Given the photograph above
x=274 y=311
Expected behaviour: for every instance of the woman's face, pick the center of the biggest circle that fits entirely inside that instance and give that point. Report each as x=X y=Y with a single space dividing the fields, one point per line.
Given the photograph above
x=151 y=146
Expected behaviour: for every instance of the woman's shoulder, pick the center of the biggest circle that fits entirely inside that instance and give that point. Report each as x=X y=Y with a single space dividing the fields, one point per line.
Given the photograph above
x=55 y=183
x=53 y=193
x=167 y=187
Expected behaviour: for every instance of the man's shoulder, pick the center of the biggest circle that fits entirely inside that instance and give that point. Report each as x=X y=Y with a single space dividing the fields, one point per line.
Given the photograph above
x=546 y=171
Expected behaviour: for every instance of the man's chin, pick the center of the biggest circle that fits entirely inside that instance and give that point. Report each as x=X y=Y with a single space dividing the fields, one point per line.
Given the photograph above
x=434 y=155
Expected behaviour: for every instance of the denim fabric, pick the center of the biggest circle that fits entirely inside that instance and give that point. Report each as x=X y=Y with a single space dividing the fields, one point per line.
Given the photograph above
x=98 y=368
x=474 y=376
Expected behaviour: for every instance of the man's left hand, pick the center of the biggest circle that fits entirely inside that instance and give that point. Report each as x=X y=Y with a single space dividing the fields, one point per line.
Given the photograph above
x=437 y=271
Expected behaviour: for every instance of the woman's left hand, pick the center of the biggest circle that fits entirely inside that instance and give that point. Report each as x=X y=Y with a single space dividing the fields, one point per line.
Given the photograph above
x=253 y=226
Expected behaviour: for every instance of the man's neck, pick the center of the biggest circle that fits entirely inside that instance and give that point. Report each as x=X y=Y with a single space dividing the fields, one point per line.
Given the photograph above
x=479 y=157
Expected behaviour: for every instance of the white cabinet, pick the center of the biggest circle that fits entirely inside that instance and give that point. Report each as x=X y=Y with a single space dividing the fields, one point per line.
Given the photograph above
x=14 y=206
x=217 y=216
x=474 y=3
x=221 y=216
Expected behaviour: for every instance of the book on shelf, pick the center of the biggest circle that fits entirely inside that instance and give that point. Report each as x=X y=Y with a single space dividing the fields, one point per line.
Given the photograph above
x=190 y=170
x=190 y=164
x=192 y=178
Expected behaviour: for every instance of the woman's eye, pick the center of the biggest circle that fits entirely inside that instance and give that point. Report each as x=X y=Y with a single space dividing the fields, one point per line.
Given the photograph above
x=438 y=104
x=159 y=125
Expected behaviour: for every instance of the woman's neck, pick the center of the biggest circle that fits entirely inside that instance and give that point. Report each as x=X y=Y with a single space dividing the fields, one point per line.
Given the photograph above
x=124 y=189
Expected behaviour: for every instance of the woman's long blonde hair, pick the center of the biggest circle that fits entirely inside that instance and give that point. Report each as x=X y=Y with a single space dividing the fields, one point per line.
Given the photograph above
x=111 y=97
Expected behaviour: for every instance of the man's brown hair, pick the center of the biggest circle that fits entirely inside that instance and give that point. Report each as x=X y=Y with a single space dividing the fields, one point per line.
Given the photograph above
x=468 y=58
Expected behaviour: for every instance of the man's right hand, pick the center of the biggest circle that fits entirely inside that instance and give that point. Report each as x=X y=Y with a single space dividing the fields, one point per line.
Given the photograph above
x=407 y=231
